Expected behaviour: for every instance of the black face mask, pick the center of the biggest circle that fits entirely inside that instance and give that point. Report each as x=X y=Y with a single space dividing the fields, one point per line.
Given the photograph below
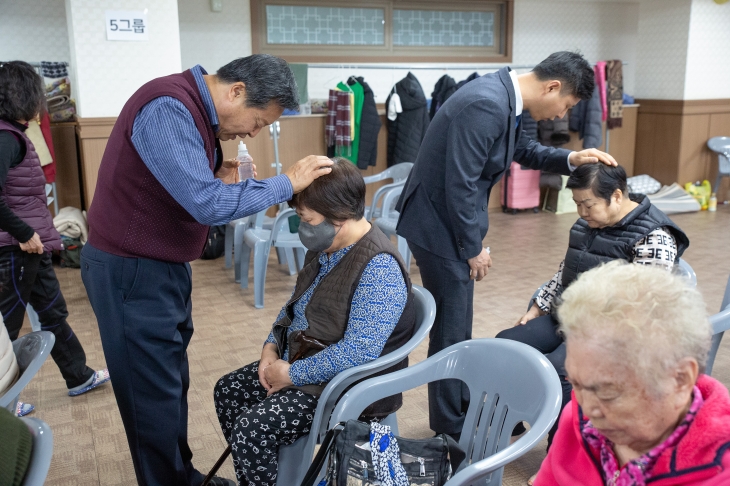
x=317 y=238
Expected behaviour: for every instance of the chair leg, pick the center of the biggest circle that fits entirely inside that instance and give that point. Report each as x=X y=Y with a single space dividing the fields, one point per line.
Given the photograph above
x=217 y=465
x=718 y=181
x=242 y=266
x=300 y=258
x=290 y=261
x=35 y=323
x=260 y=263
x=238 y=246
x=229 y=247
x=281 y=255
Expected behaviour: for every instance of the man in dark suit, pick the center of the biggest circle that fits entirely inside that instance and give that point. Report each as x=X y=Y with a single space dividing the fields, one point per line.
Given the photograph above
x=469 y=145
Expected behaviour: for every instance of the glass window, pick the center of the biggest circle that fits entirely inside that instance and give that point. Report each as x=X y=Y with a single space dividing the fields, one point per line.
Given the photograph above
x=311 y=25
x=430 y=28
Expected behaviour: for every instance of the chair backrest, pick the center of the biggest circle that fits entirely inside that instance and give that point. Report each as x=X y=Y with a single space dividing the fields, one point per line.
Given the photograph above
x=721 y=145
x=398 y=172
x=720 y=323
x=281 y=223
x=390 y=198
x=31 y=352
x=508 y=382
x=425 y=315
x=40 y=458
x=257 y=221
x=684 y=269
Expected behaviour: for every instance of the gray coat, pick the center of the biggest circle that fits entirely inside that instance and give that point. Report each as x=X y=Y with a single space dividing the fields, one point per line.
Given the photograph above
x=469 y=145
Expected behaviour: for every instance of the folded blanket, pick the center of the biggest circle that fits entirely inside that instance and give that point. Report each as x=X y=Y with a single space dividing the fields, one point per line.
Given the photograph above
x=71 y=222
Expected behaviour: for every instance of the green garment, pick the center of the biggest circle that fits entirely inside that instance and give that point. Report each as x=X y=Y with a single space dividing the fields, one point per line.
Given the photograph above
x=15 y=448
x=359 y=100
x=300 y=75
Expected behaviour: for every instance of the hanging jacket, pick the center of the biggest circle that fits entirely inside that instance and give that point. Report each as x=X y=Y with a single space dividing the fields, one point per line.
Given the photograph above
x=699 y=458
x=445 y=87
x=406 y=132
x=554 y=133
x=585 y=118
x=529 y=125
x=589 y=247
x=471 y=77
x=369 y=127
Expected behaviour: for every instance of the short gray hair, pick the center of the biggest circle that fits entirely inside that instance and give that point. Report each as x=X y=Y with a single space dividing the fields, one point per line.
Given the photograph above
x=267 y=78
x=644 y=314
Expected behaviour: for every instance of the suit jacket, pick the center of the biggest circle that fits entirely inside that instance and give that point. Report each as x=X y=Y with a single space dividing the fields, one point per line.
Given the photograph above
x=470 y=143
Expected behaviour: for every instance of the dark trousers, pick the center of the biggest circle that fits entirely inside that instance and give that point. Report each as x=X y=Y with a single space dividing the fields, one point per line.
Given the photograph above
x=541 y=333
x=449 y=283
x=256 y=425
x=27 y=278
x=143 y=310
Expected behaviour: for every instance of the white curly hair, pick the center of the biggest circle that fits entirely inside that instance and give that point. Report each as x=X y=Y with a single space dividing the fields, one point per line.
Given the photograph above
x=650 y=318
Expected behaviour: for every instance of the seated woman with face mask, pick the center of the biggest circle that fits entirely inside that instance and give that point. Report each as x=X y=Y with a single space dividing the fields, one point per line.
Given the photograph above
x=613 y=225
x=351 y=304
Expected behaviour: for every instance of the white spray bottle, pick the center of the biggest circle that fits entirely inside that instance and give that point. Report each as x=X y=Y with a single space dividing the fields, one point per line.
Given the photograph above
x=245 y=170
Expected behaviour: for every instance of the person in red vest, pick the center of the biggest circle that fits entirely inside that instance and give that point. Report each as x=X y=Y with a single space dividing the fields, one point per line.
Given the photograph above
x=162 y=184
x=642 y=411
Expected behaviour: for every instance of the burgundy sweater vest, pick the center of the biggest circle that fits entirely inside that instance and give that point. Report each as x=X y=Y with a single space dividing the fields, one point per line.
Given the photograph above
x=132 y=214
x=25 y=195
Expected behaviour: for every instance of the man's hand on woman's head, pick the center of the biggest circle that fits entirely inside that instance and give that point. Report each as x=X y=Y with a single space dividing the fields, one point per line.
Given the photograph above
x=591 y=156
x=306 y=170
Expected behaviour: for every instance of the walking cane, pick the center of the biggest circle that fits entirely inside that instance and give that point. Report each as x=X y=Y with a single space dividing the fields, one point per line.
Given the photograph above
x=217 y=465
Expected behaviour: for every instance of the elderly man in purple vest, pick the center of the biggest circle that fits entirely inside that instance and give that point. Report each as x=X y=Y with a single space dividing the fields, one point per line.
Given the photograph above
x=162 y=183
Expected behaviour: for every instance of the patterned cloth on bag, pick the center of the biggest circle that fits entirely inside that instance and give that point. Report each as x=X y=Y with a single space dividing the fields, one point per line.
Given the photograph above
x=386 y=456
x=615 y=95
x=637 y=471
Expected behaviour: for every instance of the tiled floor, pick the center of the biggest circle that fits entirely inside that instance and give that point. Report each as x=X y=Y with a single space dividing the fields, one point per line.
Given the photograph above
x=90 y=446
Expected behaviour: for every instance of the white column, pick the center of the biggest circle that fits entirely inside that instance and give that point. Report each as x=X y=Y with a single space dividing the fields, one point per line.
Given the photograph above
x=662 y=48
x=708 y=52
x=106 y=73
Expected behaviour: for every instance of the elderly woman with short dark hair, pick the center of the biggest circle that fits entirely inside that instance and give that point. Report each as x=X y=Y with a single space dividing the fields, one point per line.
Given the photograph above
x=352 y=302
x=613 y=225
x=637 y=341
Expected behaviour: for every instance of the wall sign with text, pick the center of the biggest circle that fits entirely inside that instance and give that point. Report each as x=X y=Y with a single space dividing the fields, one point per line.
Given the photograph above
x=126 y=25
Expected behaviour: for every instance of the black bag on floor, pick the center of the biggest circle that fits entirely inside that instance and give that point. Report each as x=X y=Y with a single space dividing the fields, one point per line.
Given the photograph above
x=216 y=244
x=349 y=460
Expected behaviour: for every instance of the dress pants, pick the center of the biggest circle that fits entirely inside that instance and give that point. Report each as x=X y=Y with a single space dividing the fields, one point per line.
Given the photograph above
x=143 y=309
x=542 y=334
x=449 y=283
x=27 y=278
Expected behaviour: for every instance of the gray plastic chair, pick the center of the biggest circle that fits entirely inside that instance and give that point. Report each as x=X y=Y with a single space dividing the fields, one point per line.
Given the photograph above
x=260 y=241
x=721 y=146
x=31 y=352
x=509 y=382
x=389 y=220
x=720 y=323
x=234 y=237
x=40 y=458
x=399 y=173
x=294 y=460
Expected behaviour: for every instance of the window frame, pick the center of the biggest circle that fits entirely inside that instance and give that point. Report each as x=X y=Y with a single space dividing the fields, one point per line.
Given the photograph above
x=388 y=53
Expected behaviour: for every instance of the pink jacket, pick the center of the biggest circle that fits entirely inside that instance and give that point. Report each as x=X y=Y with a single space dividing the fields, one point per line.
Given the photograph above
x=700 y=458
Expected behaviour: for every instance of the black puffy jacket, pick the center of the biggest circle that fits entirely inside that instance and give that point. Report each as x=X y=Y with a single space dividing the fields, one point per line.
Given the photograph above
x=406 y=132
x=589 y=247
x=369 y=127
x=445 y=87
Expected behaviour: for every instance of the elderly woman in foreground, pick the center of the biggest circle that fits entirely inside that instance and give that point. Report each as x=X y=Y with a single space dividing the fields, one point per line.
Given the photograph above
x=642 y=410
